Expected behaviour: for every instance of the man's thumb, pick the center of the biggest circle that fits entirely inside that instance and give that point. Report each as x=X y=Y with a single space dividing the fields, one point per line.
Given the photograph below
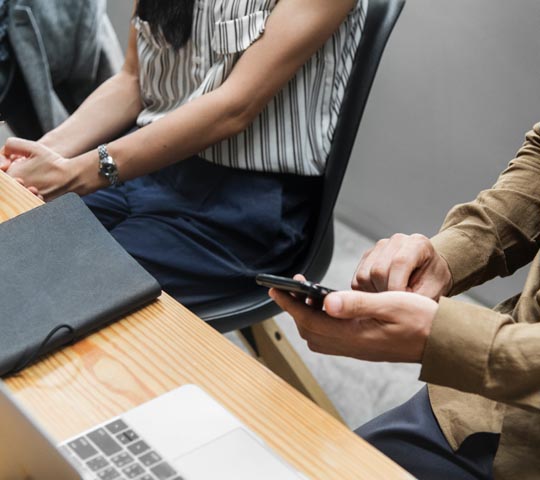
x=353 y=304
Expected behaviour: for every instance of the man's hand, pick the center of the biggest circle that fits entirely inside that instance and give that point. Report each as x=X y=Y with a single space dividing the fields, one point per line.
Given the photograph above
x=403 y=263
x=389 y=326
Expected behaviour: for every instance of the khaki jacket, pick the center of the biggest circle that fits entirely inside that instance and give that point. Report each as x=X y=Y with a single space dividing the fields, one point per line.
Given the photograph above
x=487 y=362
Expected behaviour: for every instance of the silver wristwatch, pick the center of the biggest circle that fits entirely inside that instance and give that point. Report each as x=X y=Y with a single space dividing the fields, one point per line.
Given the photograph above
x=107 y=166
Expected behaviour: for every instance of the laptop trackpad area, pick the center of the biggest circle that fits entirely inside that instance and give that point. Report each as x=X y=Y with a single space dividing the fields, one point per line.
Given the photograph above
x=235 y=455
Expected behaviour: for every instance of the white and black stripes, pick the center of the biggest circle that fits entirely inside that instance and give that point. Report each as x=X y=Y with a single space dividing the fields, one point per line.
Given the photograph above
x=293 y=133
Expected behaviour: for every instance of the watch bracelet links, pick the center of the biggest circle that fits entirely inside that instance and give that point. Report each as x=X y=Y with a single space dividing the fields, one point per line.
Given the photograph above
x=105 y=160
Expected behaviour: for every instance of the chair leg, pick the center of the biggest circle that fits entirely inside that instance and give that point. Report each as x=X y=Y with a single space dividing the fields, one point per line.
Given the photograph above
x=268 y=344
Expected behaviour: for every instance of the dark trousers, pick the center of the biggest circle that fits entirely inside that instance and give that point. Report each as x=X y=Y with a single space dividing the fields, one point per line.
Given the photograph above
x=204 y=231
x=411 y=436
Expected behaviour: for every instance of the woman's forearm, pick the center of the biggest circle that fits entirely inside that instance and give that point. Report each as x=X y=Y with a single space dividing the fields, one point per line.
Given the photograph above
x=179 y=135
x=104 y=115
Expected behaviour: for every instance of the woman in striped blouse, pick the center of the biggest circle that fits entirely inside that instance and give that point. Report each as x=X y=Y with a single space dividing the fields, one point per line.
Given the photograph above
x=235 y=103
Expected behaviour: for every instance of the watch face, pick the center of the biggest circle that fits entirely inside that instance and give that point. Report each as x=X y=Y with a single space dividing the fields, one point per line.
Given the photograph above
x=108 y=168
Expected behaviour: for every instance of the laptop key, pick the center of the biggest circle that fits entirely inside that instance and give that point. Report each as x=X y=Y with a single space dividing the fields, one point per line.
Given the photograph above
x=163 y=471
x=127 y=437
x=97 y=463
x=104 y=442
x=138 y=447
x=122 y=459
x=82 y=448
x=133 y=471
x=147 y=477
x=131 y=435
x=116 y=427
x=149 y=459
x=108 y=474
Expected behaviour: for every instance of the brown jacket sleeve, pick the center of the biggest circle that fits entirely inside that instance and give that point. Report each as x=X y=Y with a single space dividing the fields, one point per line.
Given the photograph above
x=477 y=350
x=499 y=231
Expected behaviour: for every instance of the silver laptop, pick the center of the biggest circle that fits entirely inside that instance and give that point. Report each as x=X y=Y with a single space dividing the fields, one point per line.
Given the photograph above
x=184 y=434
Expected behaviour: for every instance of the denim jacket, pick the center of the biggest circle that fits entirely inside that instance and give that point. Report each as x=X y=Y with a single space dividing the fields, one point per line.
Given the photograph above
x=65 y=49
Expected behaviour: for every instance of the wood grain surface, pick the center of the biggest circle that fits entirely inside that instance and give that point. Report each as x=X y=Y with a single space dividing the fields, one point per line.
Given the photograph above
x=163 y=346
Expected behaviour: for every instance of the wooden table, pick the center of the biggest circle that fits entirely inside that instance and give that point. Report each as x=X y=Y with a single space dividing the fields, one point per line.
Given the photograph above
x=163 y=346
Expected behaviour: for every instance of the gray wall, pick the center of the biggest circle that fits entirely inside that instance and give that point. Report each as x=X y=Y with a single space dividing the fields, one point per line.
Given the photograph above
x=457 y=88
x=120 y=12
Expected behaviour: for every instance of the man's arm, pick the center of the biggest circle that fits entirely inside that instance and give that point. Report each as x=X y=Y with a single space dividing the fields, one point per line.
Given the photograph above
x=477 y=350
x=462 y=346
x=493 y=235
x=499 y=231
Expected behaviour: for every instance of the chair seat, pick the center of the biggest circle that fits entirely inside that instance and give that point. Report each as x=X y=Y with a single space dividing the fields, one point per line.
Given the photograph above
x=254 y=306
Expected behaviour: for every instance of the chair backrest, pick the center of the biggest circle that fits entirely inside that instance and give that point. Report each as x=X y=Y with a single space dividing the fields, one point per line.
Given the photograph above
x=255 y=306
x=381 y=18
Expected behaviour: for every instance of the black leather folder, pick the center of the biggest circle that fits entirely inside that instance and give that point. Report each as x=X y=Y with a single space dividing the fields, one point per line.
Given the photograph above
x=62 y=275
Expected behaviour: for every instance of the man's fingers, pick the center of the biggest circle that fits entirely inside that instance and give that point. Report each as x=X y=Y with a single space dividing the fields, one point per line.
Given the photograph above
x=408 y=259
x=308 y=319
x=383 y=264
x=391 y=263
x=288 y=303
x=362 y=277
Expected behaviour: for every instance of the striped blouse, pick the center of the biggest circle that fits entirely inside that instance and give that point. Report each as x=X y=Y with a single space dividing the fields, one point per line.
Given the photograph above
x=294 y=131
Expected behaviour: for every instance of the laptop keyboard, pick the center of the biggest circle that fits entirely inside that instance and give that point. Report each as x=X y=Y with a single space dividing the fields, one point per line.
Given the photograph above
x=116 y=452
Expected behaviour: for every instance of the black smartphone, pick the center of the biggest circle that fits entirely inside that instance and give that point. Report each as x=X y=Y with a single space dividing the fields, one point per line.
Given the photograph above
x=304 y=289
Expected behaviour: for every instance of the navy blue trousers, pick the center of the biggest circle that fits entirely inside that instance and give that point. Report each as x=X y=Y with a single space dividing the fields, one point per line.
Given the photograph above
x=411 y=436
x=204 y=231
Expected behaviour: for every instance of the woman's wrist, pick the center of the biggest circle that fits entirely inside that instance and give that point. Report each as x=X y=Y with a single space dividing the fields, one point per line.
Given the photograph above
x=57 y=144
x=86 y=178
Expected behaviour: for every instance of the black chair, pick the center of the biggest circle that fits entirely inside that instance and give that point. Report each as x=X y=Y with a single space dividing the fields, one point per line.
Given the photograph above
x=243 y=311
x=254 y=306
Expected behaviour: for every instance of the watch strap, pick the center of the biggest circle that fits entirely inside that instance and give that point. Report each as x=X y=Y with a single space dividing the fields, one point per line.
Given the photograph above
x=107 y=166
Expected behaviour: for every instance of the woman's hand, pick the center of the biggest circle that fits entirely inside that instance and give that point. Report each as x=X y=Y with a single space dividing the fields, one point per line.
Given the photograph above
x=5 y=163
x=389 y=326
x=403 y=263
x=44 y=172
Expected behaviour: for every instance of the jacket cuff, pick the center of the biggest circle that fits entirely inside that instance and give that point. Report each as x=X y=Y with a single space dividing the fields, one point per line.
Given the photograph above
x=463 y=257
x=458 y=348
